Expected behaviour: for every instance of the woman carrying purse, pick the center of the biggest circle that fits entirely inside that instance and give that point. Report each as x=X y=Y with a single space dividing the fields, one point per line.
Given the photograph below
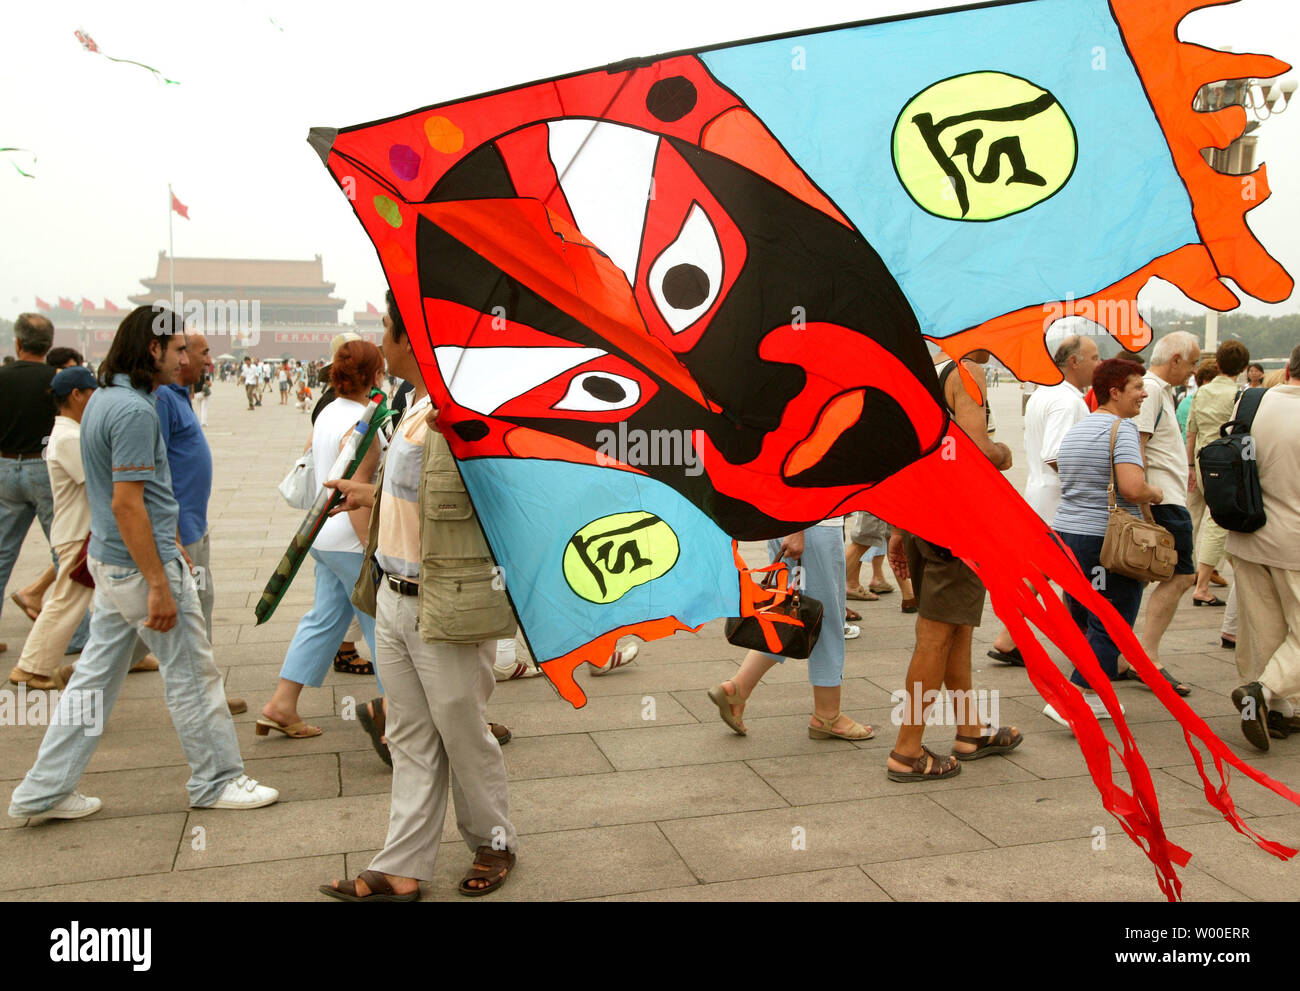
x=1087 y=465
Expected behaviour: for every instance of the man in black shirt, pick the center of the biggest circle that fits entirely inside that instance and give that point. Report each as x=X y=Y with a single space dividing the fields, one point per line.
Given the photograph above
x=26 y=419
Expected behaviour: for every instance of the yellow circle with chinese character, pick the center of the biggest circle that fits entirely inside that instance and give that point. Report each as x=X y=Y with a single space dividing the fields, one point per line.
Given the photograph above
x=982 y=146
x=610 y=556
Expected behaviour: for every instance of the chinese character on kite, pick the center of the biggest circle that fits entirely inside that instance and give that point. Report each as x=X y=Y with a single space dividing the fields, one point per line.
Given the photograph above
x=750 y=246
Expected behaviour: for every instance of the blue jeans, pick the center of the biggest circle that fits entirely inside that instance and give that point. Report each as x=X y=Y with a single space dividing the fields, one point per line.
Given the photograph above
x=194 y=692
x=1122 y=592
x=825 y=580
x=24 y=494
x=321 y=630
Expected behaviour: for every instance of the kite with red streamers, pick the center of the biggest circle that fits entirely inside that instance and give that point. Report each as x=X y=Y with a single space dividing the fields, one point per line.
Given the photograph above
x=731 y=249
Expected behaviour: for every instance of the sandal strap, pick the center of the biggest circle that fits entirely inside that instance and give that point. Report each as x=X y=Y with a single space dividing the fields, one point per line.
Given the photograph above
x=376 y=882
x=489 y=864
x=918 y=763
x=828 y=723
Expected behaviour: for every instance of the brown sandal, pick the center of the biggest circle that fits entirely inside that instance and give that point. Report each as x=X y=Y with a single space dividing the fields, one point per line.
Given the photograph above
x=489 y=865
x=350 y=662
x=380 y=890
x=724 y=700
x=1000 y=742
x=922 y=769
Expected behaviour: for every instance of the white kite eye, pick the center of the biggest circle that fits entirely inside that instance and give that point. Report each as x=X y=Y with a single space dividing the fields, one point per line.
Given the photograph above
x=600 y=391
x=686 y=277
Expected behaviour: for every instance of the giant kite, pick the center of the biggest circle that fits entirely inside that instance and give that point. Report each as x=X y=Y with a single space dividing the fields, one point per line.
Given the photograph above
x=735 y=256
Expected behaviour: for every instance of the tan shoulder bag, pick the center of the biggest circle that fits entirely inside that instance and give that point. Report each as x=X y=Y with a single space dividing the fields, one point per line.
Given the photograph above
x=1136 y=548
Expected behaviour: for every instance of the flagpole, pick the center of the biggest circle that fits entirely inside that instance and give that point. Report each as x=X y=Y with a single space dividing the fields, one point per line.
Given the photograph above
x=171 y=251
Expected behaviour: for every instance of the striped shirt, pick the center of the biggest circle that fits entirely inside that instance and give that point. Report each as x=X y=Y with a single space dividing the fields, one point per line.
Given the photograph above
x=398 y=549
x=1084 y=464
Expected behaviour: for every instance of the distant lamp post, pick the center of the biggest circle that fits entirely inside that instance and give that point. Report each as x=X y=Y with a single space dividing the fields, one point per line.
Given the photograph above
x=1261 y=99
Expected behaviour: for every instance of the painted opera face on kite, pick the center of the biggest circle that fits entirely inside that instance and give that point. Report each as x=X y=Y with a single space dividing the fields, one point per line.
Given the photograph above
x=785 y=432
x=751 y=249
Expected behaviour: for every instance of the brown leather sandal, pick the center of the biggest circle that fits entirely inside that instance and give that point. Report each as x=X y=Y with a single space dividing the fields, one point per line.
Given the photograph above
x=380 y=890
x=489 y=865
x=927 y=766
x=1001 y=742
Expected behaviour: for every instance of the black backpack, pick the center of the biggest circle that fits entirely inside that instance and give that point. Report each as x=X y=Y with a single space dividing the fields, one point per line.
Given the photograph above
x=1230 y=471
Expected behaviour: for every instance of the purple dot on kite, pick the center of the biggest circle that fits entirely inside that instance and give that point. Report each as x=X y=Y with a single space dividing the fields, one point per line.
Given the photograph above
x=405 y=162
x=389 y=210
x=671 y=99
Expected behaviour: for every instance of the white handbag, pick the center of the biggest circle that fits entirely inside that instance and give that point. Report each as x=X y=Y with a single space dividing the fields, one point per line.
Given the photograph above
x=299 y=487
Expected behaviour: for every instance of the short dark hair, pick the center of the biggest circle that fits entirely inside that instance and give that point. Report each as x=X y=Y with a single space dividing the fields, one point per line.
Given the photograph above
x=129 y=353
x=1256 y=364
x=58 y=357
x=399 y=328
x=1113 y=373
x=33 y=333
x=1232 y=357
x=1293 y=364
x=1206 y=371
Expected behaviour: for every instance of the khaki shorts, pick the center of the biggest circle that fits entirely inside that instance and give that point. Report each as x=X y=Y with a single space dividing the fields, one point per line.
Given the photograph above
x=946 y=591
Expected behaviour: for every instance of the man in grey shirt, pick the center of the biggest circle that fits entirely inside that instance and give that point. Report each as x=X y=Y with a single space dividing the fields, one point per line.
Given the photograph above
x=143 y=586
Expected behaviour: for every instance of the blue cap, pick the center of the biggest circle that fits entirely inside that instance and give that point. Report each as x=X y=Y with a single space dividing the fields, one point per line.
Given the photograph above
x=76 y=377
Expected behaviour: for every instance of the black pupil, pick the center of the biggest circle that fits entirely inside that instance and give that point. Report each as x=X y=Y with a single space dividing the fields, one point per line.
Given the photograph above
x=686 y=287
x=604 y=389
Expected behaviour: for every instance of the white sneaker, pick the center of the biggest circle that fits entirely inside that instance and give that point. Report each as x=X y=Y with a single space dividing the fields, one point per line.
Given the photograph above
x=514 y=670
x=852 y=632
x=620 y=658
x=1094 y=703
x=75 y=806
x=245 y=793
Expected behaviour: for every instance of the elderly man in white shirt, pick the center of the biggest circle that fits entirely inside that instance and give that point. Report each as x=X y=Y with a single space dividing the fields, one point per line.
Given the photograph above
x=1051 y=411
x=1164 y=450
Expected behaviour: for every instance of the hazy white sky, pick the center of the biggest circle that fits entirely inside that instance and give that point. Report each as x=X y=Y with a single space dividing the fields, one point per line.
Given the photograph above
x=256 y=75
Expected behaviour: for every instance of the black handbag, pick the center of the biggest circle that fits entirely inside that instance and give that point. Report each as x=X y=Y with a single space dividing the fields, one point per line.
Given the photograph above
x=784 y=621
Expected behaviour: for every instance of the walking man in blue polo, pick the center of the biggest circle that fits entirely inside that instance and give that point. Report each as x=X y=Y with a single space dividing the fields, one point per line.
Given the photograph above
x=143 y=586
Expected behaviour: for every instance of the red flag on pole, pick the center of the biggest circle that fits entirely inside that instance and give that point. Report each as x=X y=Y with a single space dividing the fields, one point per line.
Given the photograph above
x=370 y=308
x=42 y=305
x=66 y=304
x=86 y=304
x=180 y=207
x=108 y=305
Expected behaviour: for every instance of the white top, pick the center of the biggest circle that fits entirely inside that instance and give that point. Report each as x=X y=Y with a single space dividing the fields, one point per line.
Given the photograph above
x=1049 y=414
x=250 y=374
x=333 y=425
x=1166 y=453
x=1276 y=432
x=67 y=482
x=833 y=521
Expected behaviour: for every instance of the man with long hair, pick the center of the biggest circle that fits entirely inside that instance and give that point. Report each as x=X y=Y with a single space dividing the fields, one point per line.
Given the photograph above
x=143 y=585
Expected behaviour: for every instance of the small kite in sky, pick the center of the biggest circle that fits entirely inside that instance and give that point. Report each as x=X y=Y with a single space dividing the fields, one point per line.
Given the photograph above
x=88 y=43
x=682 y=301
x=25 y=151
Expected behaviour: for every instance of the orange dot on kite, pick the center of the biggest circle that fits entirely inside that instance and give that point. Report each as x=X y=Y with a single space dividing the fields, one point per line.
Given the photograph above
x=443 y=135
x=389 y=210
x=395 y=258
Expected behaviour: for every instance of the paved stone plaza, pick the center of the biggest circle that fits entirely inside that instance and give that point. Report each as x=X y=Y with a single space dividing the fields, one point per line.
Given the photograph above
x=611 y=804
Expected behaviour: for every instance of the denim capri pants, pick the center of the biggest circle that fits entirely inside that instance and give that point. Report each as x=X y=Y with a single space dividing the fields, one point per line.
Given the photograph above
x=823 y=579
x=320 y=631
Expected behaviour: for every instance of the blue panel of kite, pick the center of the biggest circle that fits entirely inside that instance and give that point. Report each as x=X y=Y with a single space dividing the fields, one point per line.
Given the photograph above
x=832 y=100
x=533 y=508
